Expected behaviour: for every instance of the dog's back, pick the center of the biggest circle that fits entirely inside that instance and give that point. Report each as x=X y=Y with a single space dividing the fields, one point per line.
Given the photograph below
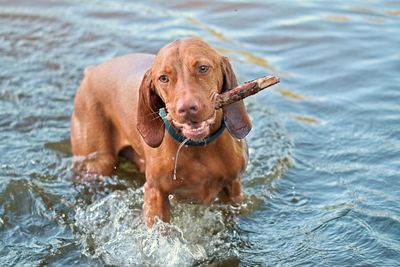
x=104 y=117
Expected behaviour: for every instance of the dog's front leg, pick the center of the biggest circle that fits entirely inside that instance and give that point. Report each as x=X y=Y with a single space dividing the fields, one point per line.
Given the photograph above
x=156 y=204
x=232 y=194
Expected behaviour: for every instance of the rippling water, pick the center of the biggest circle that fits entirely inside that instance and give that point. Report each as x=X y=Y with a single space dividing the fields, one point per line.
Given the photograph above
x=323 y=182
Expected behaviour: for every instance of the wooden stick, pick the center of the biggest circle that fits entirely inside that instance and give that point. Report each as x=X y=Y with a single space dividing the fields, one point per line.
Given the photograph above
x=245 y=90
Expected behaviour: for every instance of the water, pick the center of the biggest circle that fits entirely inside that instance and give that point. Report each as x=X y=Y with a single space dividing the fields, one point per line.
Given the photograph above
x=323 y=182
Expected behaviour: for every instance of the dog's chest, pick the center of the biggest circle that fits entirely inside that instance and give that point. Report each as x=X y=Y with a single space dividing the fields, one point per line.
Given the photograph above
x=200 y=177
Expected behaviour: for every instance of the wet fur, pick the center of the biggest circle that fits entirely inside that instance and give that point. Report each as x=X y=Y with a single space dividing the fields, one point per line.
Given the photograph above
x=116 y=110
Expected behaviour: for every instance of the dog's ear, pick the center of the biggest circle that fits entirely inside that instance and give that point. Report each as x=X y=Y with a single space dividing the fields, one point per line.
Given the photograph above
x=149 y=123
x=236 y=118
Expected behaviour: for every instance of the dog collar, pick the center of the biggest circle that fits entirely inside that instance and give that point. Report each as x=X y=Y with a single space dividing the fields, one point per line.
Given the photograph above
x=180 y=138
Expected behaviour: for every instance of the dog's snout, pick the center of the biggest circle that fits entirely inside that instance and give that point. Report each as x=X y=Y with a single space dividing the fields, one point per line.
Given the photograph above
x=187 y=108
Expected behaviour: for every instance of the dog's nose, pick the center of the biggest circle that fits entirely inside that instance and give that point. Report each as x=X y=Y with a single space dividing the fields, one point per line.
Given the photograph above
x=187 y=108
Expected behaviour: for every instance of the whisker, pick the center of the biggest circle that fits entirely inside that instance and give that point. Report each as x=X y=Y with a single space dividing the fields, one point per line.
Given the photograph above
x=151 y=114
x=161 y=126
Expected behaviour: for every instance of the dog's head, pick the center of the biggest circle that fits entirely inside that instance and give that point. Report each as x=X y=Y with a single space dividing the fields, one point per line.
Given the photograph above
x=185 y=78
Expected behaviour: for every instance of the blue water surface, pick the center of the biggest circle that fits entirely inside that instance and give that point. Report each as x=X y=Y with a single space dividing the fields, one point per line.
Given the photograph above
x=323 y=182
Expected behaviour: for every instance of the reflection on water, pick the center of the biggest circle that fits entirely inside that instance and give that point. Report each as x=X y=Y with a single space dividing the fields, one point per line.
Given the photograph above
x=288 y=93
x=322 y=184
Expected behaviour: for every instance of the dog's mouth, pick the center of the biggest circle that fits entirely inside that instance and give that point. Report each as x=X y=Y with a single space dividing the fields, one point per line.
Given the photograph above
x=195 y=130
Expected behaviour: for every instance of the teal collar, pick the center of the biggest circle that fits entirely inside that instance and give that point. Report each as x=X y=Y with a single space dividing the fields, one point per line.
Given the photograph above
x=180 y=138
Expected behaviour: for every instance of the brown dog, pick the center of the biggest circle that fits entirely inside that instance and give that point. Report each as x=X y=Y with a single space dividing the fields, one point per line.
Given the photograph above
x=117 y=110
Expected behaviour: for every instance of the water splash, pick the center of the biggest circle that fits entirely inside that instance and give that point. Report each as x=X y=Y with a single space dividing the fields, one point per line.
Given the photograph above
x=113 y=230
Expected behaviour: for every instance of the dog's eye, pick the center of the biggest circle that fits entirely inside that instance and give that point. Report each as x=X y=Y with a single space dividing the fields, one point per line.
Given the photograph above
x=203 y=68
x=164 y=78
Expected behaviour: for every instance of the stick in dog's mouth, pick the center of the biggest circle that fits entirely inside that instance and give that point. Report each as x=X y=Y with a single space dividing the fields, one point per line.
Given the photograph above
x=200 y=130
x=244 y=90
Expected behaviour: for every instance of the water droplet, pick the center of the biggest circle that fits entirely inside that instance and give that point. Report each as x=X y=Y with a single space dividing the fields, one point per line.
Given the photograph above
x=171 y=197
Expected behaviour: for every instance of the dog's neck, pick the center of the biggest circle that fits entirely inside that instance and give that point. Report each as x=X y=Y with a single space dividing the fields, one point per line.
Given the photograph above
x=180 y=138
